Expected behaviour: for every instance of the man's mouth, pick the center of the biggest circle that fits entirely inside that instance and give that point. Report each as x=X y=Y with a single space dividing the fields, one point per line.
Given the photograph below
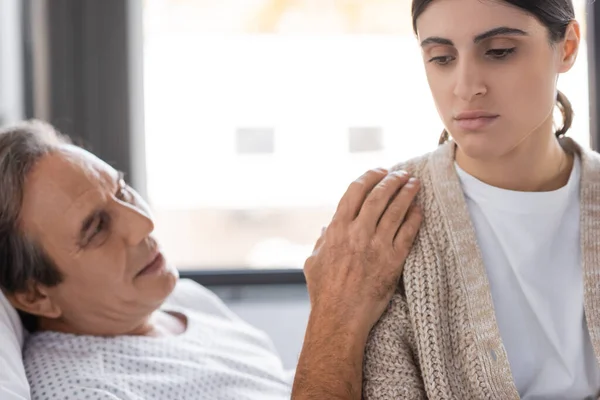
x=155 y=265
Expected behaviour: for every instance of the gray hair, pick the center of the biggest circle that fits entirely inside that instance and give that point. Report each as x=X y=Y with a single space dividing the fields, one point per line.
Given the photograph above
x=22 y=260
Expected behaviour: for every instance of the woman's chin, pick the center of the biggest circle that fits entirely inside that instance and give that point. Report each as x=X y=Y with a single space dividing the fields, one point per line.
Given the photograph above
x=479 y=147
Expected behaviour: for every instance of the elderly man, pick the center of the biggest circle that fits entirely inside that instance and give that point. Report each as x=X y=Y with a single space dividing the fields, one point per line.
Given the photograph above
x=80 y=264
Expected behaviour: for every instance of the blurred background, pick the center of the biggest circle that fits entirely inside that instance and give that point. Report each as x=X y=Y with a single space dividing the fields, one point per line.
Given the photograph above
x=260 y=112
x=241 y=121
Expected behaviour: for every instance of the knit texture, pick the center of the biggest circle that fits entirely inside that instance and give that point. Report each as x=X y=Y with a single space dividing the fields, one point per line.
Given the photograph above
x=439 y=338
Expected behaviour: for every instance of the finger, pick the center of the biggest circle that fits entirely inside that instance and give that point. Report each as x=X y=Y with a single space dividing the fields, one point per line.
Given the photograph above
x=407 y=233
x=397 y=209
x=355 y=195
x=380 y=197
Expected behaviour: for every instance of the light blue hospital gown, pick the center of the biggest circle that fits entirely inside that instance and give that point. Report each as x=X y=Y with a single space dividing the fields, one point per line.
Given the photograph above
x=218 y=357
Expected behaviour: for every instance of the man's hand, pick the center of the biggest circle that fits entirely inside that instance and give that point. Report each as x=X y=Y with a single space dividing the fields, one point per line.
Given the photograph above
x=351 y=277
x=358 y=260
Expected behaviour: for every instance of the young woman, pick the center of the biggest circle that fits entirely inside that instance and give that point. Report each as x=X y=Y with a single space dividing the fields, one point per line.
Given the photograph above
x=500 y=297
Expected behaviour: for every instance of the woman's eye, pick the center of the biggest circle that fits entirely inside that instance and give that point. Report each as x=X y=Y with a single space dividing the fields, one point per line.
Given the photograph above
x=442 y=60
x=499 y=54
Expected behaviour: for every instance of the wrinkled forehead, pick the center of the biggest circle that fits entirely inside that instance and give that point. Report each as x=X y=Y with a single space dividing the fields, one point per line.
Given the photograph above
x=462 y=20
x=69 y=170
x=63 y=185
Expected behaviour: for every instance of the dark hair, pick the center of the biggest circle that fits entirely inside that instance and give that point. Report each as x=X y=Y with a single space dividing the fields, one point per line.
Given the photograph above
x=556 y=15
x=22 y=260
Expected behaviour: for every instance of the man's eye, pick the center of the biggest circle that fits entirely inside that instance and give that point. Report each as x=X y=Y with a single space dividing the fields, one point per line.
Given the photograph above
x=99 y=227
x=124 y=194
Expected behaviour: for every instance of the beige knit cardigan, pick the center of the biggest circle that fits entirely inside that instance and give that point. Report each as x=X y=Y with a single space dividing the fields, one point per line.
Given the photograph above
x=439 y=338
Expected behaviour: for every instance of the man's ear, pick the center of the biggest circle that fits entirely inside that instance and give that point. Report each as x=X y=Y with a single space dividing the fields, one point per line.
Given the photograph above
x=570 y=46
x=35 y=300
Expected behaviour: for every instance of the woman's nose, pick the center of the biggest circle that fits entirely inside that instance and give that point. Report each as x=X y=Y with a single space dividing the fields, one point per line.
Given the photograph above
x=469 y=82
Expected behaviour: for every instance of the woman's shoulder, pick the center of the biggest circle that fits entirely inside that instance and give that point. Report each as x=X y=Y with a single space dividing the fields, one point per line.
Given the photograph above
x=413 y=166
x=590 y=161
x=431 y=169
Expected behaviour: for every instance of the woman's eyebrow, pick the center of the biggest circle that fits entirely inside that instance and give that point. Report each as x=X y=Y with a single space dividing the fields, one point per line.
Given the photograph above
x=500 y=31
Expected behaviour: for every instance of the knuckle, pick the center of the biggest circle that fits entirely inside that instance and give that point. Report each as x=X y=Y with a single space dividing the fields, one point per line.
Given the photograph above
x=380 y=245
x=355 y=231
x=376 y=244
x=408 y=231
x=308 y=264
x=374 y=198
x=408 y=239
x=333 y=227
x=404 y=241
x=403 y=200
x=395 y=214
x=415 y=225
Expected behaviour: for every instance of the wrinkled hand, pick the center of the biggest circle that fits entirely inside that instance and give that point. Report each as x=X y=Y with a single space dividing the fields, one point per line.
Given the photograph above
x=359 y=258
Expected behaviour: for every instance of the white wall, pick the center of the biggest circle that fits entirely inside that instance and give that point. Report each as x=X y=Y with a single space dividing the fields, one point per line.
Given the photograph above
x=281 y=311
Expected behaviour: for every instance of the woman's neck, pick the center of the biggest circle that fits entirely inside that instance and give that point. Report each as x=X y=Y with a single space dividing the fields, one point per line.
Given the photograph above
x=533 y=166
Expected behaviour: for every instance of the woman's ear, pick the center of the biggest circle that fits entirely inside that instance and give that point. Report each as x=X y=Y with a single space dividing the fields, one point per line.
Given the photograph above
x=35 y=300
x=570 y=47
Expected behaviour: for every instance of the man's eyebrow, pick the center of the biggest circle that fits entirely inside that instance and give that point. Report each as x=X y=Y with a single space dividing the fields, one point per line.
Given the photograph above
x=500 y=31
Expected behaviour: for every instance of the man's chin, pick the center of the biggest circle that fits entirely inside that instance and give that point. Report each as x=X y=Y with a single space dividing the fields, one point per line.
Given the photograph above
x=161 y=284
x=171 y=275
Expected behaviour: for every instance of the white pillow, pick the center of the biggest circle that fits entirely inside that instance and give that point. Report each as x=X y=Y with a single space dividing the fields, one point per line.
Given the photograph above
x=13 y=382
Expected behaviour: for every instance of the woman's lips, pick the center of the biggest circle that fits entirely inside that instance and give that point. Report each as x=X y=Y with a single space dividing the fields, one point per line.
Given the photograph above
x=475 y=124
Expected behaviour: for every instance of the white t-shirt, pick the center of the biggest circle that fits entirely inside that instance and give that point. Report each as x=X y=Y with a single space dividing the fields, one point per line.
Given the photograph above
x=531 y=248
x=218 y=357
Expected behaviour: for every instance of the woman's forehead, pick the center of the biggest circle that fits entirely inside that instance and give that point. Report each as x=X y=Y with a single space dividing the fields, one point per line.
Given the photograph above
x=465 y=19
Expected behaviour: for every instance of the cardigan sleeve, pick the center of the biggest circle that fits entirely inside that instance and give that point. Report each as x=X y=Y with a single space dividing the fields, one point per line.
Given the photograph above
x=390 y=369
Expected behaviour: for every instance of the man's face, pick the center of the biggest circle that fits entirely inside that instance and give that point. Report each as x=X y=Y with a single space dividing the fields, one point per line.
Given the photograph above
x=97 y=231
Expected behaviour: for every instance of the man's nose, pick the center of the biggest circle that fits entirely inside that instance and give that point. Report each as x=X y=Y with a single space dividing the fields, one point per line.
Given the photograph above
x=132 y=223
